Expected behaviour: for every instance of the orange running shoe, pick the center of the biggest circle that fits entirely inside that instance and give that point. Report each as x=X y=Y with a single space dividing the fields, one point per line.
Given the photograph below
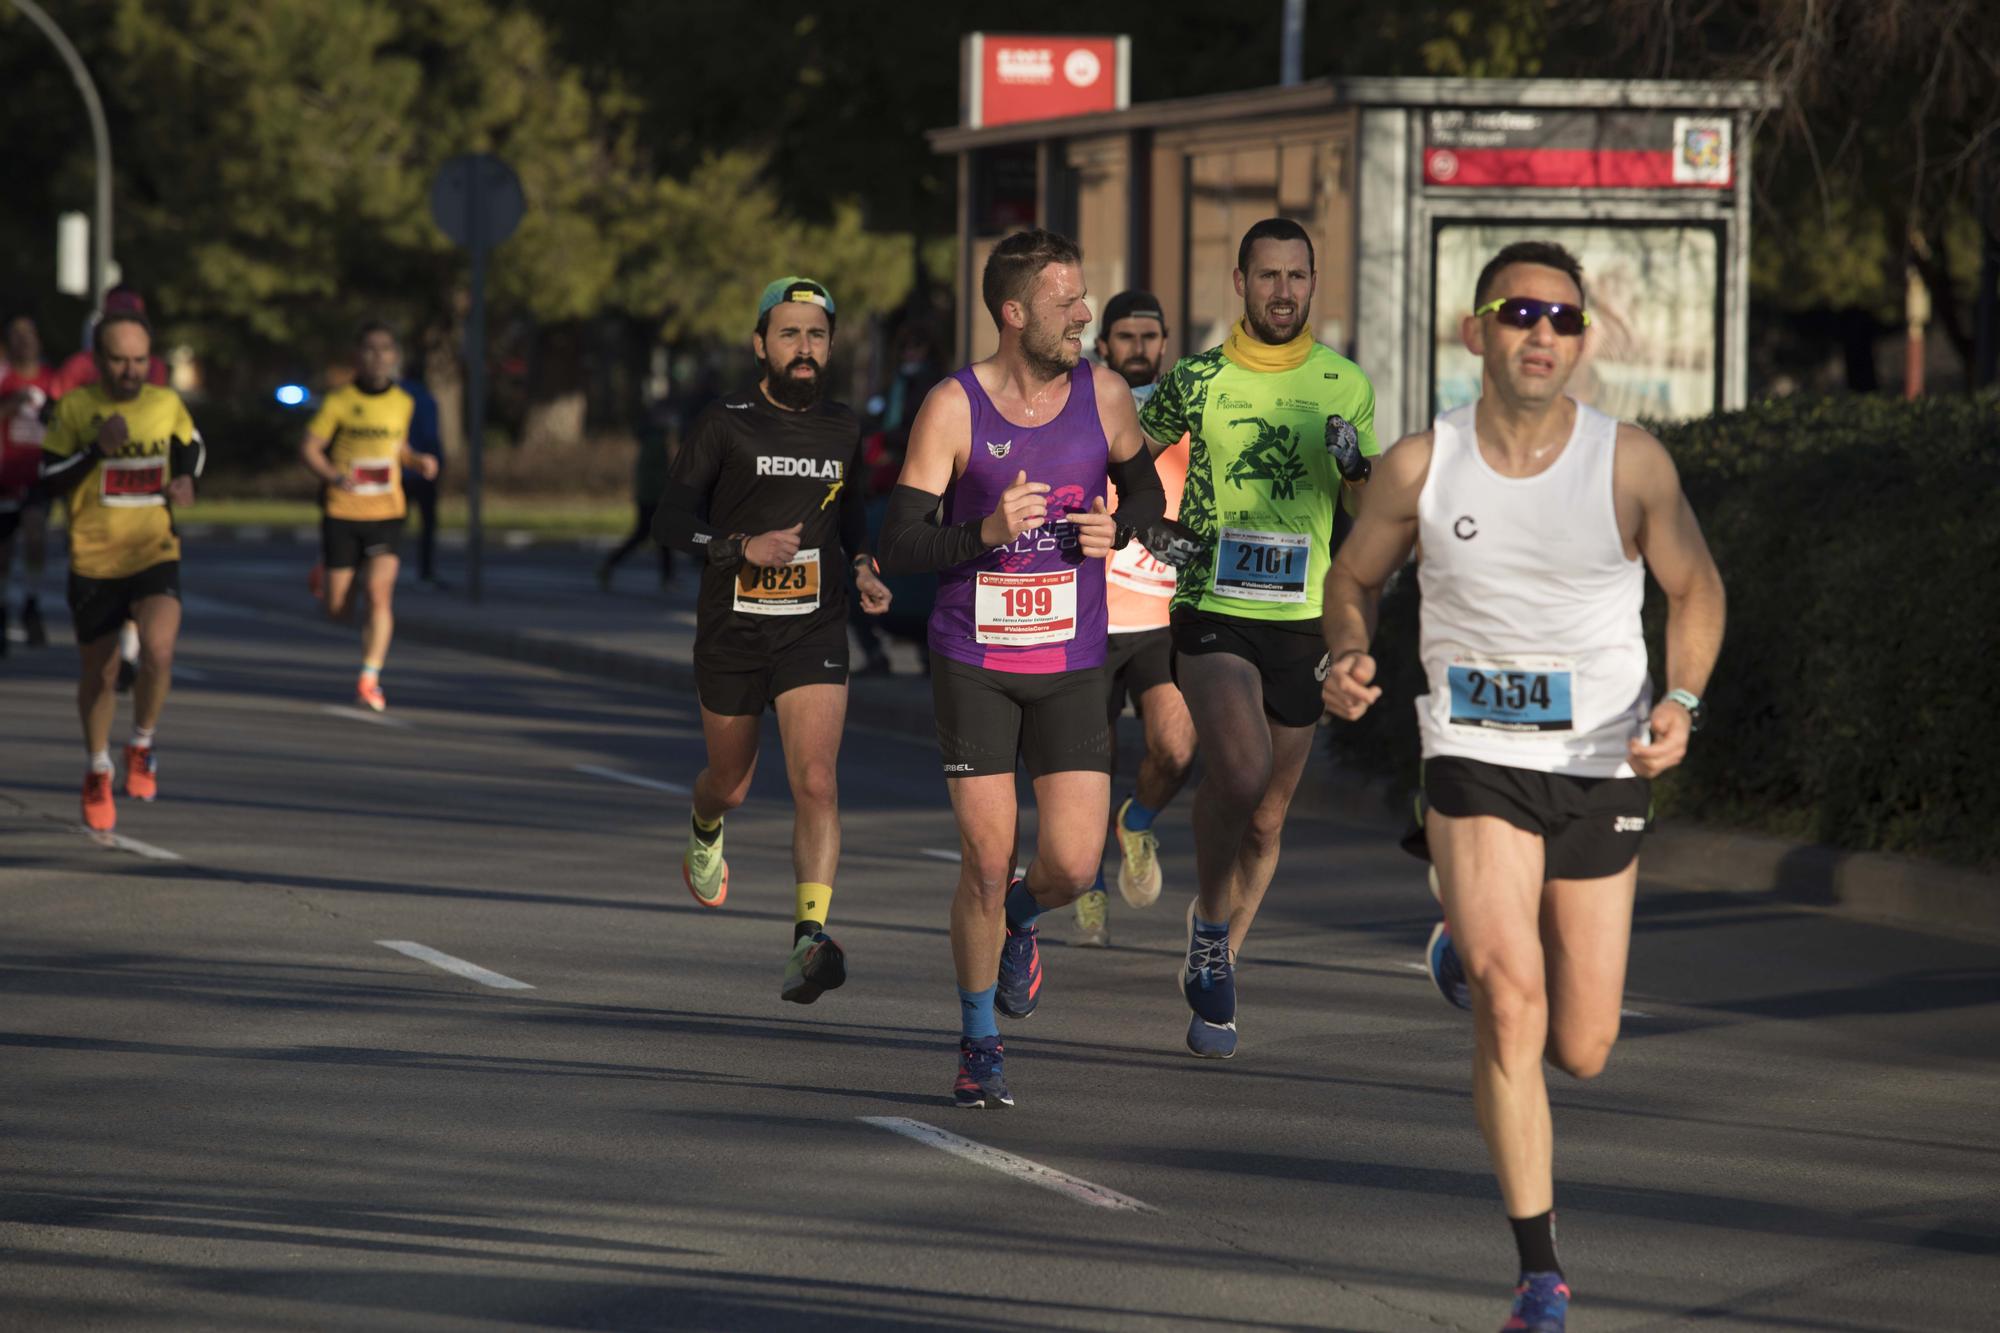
x=316 y=579
x=142 y=778
x=100 y=812
x=368 y=693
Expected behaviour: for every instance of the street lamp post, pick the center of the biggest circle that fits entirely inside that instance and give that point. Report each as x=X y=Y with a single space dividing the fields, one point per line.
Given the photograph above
x=100 y=229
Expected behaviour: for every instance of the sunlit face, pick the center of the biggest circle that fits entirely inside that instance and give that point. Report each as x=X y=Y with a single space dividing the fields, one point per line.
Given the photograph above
x=24 y=344
x=1054 y=318
x=1134 y=347
x=125 y=355
x=794 y=347
x=1525 y=366
x=377 y=358
x=1277 y=289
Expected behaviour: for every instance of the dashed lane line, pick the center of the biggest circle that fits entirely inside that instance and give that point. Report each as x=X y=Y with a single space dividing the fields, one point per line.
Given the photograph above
x=651 y=784
x=456 y=966
x=1073 y=1187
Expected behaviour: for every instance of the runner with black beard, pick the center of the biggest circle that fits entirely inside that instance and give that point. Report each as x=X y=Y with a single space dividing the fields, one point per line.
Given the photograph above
x=1138 y=646
x=760 y=493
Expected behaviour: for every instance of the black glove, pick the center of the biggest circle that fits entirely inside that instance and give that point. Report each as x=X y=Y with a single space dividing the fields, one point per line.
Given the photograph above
x=1344 y=443
x=1172 y=542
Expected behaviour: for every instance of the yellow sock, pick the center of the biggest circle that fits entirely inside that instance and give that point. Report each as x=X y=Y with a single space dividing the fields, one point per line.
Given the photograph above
x=812 y=903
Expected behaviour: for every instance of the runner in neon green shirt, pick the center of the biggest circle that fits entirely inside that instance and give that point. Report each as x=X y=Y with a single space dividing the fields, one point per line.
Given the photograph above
x=1257 y=525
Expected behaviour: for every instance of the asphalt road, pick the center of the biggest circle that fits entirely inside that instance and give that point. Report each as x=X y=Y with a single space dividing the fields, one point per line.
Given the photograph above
x=229 y=1105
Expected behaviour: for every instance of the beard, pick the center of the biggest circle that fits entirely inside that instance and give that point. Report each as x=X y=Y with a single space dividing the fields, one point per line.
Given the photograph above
x=788 y=390
x=1265 y=332
x=1045 y=347
x=1137 y=371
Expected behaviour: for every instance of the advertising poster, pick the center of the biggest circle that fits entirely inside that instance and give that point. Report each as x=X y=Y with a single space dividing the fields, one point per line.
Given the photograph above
x=1652 y=293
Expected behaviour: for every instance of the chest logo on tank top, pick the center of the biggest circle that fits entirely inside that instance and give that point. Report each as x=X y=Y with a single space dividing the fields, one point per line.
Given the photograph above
x=1465 y=528
x=1000 y=450
x=1271 y=457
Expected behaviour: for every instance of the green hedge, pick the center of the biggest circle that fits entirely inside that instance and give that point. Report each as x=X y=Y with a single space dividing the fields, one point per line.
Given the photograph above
x=1857 y=700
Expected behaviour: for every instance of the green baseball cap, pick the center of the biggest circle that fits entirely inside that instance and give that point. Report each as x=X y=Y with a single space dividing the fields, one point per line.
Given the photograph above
x=795 y=288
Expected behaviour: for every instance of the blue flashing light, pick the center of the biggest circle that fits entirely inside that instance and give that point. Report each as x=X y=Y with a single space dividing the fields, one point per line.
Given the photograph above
x=291 y=395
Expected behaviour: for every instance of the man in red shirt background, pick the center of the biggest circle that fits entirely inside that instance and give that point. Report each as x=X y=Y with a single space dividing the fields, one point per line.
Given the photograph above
x=27 y=386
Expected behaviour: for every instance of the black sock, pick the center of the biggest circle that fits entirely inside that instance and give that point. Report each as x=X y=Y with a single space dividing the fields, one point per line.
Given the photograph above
x=1535 y=1238
x=706 y=836
x=805 y=928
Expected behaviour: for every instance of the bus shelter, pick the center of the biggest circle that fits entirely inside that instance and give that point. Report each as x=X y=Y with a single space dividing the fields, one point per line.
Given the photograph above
x=1407 y=186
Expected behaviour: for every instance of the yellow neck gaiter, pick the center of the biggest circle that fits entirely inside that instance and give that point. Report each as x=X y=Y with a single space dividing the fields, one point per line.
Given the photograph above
x=1262 y=357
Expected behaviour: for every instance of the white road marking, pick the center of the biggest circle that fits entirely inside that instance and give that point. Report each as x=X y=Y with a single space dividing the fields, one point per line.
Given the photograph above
x=458 y=966
x=363 y=715
x=189 y=673
x=941 y=854
x=1627 y=1013
x=651 y=784
x=133 y=845
x=1097 y=1196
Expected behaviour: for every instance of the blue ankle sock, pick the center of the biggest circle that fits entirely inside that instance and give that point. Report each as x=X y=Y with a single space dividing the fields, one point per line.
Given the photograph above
x=1022 y=909
x=1138 y=818
x=975 y=1012
x=1209 y=930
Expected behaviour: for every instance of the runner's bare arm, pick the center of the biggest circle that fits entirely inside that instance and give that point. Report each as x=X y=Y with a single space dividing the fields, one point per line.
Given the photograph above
x=1669 y=540
x=914 y=541
x=313 y=453
x=424 y=465
x=1384 y=533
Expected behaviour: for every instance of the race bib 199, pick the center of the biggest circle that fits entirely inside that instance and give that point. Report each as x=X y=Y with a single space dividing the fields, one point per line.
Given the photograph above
x=131 y=482
x=780 y=590
x=374 y=476
x=1023 y=610
x=1518 y=694
x=1262 y=566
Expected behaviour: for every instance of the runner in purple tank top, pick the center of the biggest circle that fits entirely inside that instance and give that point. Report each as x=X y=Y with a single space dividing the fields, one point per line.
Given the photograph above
x=1016 y=451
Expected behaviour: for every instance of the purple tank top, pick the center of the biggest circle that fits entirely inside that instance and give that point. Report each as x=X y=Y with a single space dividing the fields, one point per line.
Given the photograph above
x=1037 y=605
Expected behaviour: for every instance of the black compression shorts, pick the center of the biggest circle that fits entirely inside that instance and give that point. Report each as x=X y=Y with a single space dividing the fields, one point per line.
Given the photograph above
x=1135 y=663
x=346 y=542
x=739 y=684
x=102 y=606
x=1052 y=721
x=1291 y=661
x=1590 y=827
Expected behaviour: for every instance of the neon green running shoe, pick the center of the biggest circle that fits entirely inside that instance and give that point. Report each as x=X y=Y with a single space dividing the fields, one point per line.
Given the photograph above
x=817 y=965
x=1092 y=928
x=1138 y=862
x=704 y=870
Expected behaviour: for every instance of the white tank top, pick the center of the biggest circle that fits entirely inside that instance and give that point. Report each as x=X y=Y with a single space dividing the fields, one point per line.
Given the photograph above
x=1531 y=637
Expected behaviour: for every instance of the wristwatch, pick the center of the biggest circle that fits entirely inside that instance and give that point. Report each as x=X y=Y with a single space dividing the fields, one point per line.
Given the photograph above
x=1696 y=713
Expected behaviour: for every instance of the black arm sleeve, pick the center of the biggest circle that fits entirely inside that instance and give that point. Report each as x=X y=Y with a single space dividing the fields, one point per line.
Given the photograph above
x=854 y=508
x=59 y=472
x=914 y=542
x=680 y=524
x=187 y=458
x=1142 y=501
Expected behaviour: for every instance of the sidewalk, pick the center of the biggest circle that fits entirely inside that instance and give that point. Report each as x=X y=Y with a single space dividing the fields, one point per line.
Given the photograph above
x=542 y=606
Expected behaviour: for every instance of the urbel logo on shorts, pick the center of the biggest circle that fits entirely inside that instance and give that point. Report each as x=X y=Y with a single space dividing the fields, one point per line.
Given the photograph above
x=1629 y=824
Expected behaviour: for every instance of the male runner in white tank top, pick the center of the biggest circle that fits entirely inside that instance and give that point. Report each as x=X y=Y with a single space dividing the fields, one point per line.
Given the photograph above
x=1534 y=518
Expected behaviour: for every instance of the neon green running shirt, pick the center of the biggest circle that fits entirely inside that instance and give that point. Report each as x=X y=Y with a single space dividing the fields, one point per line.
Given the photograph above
x=1260 y=484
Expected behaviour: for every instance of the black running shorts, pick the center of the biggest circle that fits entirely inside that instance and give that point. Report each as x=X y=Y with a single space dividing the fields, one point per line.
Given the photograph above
x=102 y=606
x=1136 y=663
x=1289 y=655
x=1590 y=827
x=346 y=542
x=734 y=683
x=1052 y=721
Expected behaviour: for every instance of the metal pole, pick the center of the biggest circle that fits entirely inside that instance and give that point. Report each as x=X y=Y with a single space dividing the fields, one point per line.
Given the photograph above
x=1986 y=337
x=475 y=408
x=1291 y=61
x=100 y=231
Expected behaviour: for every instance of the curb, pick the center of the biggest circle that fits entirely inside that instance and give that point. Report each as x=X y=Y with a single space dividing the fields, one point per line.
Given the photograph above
x=1875 y=886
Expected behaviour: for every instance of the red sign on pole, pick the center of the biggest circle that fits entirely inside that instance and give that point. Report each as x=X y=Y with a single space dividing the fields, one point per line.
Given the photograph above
x=1010 y=78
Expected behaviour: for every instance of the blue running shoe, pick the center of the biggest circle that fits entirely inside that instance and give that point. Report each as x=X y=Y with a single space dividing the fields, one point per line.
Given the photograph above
x=1541 y=1303
x=1447 y=974
x=1020 y=988
x=981 y=1084
x=1211 y=1041
x=1208 y=982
